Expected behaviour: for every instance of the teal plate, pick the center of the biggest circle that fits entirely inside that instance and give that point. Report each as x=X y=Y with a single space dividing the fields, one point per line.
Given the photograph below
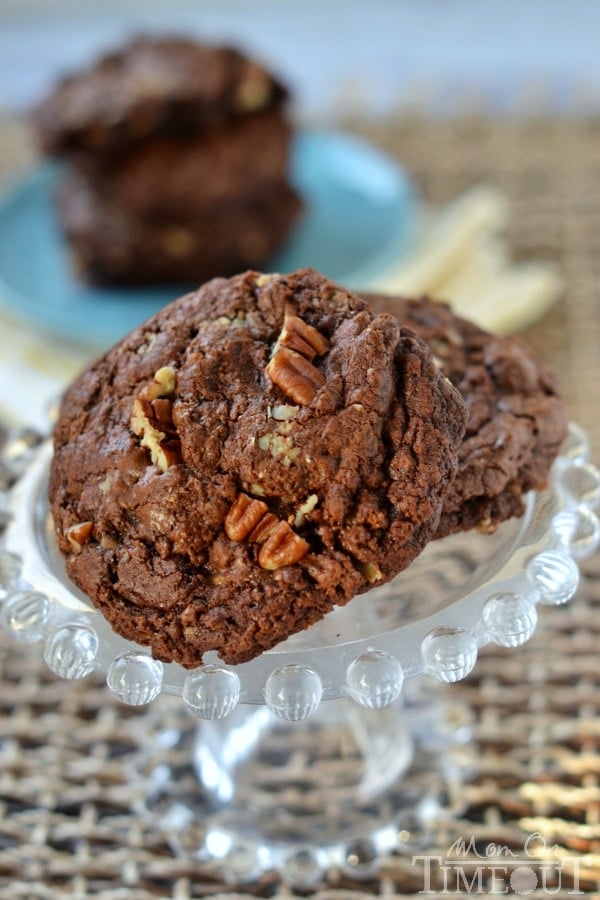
x=356 y=222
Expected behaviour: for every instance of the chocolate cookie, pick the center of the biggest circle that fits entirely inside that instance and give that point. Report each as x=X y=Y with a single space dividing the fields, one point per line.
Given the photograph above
x=164 y=177
x=516 y=423
x=257 y=452
x=109 y=246
x=149 y=87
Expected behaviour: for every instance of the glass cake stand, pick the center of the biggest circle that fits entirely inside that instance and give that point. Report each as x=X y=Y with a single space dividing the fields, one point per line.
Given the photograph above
x=340 y=744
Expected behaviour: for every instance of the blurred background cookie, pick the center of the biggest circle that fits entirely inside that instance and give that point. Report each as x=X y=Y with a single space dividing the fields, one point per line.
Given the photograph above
x=176 y=159
x=152 y=86
x=165 y=176
x=112 y=246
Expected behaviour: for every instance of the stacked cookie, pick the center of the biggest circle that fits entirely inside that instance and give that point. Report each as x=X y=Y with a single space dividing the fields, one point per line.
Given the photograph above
x=269 y=446
x=177 y=163
x=516 y=418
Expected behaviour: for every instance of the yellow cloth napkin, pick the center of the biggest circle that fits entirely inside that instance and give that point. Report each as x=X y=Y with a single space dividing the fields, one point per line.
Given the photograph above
x=461 y=256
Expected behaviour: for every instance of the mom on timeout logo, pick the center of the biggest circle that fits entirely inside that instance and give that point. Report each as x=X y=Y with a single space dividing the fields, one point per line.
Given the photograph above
x=497 y=869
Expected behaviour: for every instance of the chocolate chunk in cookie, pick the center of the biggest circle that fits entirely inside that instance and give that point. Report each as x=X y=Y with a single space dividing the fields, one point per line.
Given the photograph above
x=517 y=420
x=257 y=452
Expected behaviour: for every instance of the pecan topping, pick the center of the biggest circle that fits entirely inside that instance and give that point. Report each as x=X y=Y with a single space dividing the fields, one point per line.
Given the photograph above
x=298 y=335
x=250 y=519
x=264 y=528
x=283 y=547
x=79 y=534
x=291 y=367
x=243 y=517
x=152 y=421
x=295 y=375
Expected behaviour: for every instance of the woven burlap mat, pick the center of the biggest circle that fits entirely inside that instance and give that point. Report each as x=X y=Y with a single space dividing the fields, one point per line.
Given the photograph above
x=65 y=826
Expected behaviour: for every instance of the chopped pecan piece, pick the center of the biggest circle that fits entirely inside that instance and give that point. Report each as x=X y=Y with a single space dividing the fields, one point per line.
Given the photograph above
x=79 y=534
x=162 y=413
x=281 y=412
x=371 y=572
x=295 y=375
x=164 y=452
x=152 y=421
x=168 y=454
x=298 y=335
x=243 y=517
x=305 y=509
x=162 y=386
x=486 y=526
x=283 y=547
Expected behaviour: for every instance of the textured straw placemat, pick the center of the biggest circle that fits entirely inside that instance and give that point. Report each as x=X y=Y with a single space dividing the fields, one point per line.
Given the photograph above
x=65 y=826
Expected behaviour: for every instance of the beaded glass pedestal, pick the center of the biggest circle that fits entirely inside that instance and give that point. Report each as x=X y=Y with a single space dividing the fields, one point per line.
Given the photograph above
x=248 y=780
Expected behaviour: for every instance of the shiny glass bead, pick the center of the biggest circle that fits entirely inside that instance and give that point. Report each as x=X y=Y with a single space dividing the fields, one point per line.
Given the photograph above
x=135 y=678
x=293 y=692
x=375 y=679
x=71 y=651
x=509 y=619
x=211 y=692
x=24 y=616
x=449 y=653
x=555 y=576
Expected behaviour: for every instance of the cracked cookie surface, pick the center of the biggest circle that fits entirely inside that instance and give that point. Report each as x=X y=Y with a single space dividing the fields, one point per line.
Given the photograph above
x=517 y=420
x=259 y=451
